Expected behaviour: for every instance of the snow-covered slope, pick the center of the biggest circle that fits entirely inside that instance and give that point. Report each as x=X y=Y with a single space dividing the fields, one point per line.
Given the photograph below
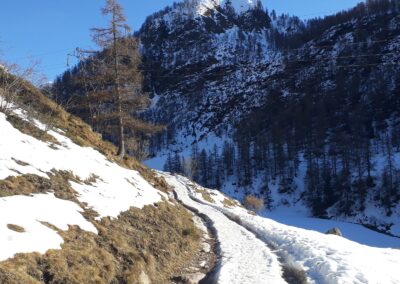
x=101 y=184
x=325 y=258
x=224 y=83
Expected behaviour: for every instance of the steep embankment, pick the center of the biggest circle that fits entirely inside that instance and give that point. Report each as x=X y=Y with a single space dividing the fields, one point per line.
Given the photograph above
x=72 y=213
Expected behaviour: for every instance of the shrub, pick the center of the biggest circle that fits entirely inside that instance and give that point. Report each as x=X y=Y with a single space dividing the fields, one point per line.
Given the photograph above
x=253 y=203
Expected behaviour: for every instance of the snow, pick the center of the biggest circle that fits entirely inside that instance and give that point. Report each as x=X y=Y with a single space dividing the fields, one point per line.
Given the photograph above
x=28 y=212
x=354 y=232
x=245 y=259
x=326 y=258
x=116 y=190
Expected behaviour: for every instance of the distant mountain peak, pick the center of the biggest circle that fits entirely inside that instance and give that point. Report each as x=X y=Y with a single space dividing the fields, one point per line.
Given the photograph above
x=240 y=6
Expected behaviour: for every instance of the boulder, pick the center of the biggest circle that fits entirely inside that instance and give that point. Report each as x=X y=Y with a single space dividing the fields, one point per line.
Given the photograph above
x=334 y=231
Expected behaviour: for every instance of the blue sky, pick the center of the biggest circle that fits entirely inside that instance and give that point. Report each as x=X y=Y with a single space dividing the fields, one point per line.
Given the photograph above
x=46 y=30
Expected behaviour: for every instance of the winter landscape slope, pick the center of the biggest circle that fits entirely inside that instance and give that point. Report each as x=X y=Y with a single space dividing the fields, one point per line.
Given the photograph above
x=71 y=214
x=300 y=114
x=304 y=115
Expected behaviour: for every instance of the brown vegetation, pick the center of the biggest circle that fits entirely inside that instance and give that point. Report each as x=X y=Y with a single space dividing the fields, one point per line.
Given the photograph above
x=253 y=203
x=205 y=195
x=16 y=228
x=229 y=203
x=29 y=128
x=30 y=184
x=155 y=241
x=53 y=115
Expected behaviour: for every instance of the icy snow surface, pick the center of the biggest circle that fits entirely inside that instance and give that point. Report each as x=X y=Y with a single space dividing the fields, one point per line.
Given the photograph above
x=115 y=191
x=326 y=258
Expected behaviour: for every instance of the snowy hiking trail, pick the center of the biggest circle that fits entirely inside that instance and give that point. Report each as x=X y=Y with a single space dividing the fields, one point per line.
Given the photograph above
x=245 y=259
x=254 y=249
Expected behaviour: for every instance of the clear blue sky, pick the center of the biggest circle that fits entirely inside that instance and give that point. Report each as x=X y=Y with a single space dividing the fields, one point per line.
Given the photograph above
x=46 y=30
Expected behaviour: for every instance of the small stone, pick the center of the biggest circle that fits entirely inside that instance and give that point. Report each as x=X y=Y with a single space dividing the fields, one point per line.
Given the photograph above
x=334 y=231
x=192 y=278
x=203 y=264
x=144 y=279
x=206 y=248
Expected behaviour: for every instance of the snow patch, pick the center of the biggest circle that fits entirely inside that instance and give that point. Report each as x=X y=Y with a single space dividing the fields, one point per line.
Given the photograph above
x=28 y=212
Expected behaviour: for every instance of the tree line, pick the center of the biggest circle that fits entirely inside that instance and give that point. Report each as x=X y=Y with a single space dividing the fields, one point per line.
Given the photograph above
x=334 y=131
x=298 y=32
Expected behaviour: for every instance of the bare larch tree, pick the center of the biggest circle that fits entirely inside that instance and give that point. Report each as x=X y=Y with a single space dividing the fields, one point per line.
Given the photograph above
x=116 y=74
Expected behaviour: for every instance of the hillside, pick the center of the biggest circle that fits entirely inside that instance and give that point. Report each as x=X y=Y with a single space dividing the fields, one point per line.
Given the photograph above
x=72 y=213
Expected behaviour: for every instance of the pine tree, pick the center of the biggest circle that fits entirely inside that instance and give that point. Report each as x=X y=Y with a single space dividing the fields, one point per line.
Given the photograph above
x=168 y=164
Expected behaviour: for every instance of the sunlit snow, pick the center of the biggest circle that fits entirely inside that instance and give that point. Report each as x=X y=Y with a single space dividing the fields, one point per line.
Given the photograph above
x=116 y=190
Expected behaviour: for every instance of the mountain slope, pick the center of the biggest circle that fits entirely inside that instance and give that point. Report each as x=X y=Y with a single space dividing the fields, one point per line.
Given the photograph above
x=73 y=215
x=198 y=53
x=299 y=114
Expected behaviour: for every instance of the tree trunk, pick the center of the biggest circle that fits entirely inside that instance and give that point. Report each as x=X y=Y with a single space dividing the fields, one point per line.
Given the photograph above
x=121 y=147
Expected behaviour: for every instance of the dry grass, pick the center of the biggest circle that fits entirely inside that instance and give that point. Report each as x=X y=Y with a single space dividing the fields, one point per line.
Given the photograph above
x=148 y=174
x=30 y=129
x=253 y=203
x=92 y=179
x=156 y=241
x=205 y=195
x=30 y=184
x=48 y=112
x=58 y=183
x=15 y=228
x=230 y=203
